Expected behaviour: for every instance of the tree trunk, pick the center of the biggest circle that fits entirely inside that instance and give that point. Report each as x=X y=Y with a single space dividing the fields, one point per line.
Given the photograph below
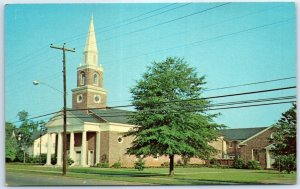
x=171 y=168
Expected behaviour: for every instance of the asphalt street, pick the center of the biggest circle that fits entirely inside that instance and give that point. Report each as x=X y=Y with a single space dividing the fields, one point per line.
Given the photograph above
x=25 y=179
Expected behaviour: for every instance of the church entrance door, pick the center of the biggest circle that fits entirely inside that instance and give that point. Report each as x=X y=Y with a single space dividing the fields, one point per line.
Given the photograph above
x=91 y=157
x=78 y=158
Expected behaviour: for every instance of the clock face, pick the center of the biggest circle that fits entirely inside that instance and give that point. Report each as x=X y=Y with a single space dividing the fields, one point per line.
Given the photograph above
x=97 y=98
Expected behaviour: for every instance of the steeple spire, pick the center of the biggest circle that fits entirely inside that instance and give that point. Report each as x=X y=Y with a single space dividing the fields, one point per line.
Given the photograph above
x=91 y=51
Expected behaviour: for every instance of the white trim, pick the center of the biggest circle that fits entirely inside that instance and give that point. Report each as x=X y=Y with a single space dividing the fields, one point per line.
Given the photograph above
x=89 y=88
x=122 y=139
x=99 y=101
x=95 y=67
x=256 y=134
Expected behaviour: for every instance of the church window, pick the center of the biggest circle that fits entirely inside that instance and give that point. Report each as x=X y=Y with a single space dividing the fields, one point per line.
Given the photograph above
x=95 y=79
x=120 y=139
x=97 y=99
x=79 y=98
x=82 y=78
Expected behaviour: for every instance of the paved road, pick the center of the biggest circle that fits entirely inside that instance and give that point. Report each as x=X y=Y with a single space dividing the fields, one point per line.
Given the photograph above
x=26 y=179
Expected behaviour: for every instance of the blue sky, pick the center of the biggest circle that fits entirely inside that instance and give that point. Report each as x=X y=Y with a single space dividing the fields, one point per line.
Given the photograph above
x=232 y=44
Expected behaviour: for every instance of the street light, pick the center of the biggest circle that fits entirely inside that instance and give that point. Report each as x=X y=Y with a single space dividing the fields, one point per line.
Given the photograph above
x=37 y=82
x=22 y=148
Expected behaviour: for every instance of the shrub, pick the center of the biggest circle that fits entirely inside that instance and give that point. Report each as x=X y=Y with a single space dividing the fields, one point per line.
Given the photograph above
x=139 y=164
x=53 y=159
x=103 y=165
x=70 y=161
x=179 y=163
x=116 y=165
x=238 y=163
x=213 y=161
x=285 y=163
x=165 y=164
x=252 y=164
x=186 y=160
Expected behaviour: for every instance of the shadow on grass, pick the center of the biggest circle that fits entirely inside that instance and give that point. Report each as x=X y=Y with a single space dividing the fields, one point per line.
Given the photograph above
x=117 y=174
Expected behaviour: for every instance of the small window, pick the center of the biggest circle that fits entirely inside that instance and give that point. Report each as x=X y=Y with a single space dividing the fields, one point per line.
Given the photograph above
x=95 y=79
x=255 y=154
x=271 y=135
x=230 y=144
x=82 y=78
x=155 y=157
x=38 y=144
x=97 y=99
x=120 y=139
x=79 y=98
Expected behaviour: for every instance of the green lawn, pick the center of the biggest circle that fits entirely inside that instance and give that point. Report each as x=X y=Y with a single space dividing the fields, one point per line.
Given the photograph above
x=183 y=176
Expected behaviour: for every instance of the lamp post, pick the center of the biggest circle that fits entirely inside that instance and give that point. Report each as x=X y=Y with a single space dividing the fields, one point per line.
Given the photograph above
x=22 y=147
x=37 y=82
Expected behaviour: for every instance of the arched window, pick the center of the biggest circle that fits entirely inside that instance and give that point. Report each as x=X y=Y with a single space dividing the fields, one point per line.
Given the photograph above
x=95 y=81
x=82 y=78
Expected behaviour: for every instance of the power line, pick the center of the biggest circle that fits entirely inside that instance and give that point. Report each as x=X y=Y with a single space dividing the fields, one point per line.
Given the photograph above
x=29 y=56
x=196 y=43
x=266 y=104
x=203 y=27
x=247 y=84
x=241 y=85
x=136 y=20
x=205 y=98
x=174 y=101
x=231 y=107
x=76 y=37
x=169 y=21
x=39 y=116
x=211 y=105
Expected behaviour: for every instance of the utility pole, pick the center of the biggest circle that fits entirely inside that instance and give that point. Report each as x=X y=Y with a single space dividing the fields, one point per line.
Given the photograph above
x=64 y=49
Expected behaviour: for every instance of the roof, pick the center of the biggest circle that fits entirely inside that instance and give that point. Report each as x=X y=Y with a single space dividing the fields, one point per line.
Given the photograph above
x=113 y=115
x=83 y=116
x=37 y=134
x=241 y=133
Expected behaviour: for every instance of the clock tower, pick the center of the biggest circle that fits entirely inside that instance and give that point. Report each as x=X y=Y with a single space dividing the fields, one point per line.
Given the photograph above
x=89 y=92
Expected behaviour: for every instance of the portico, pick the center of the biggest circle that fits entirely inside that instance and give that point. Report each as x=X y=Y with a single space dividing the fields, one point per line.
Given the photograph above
x=83 y=140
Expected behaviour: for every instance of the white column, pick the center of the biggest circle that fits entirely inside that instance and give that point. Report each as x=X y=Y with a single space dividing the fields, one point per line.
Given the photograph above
x=268 y=158
x=49 y=149
x=83 y=149
x=72 y=145
x=97 y=151
x=59 y=149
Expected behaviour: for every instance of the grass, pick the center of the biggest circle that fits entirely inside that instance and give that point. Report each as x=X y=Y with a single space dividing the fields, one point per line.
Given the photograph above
x=159 y=176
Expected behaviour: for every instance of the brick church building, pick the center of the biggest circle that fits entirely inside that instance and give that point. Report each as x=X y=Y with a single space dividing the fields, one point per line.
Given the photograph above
x=94 y=133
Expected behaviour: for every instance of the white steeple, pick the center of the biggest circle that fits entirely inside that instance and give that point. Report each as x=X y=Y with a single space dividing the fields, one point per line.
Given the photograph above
x=91 y=51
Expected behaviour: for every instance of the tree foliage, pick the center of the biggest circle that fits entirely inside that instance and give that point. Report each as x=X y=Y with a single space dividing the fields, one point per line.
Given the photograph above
x=284 y=140
x=171 y=115
x=10 y=142
x=26 y=129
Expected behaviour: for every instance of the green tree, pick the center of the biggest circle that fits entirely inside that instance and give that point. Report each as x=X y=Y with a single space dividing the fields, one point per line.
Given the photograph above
x=10 y=142
x=284 y=140
x=171 y=115
x=25 y=131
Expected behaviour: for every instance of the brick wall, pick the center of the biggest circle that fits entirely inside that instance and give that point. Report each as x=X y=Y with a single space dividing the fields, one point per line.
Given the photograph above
x=259 y=142
x=104 y=153
x=89 y=77
x=88 y=100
